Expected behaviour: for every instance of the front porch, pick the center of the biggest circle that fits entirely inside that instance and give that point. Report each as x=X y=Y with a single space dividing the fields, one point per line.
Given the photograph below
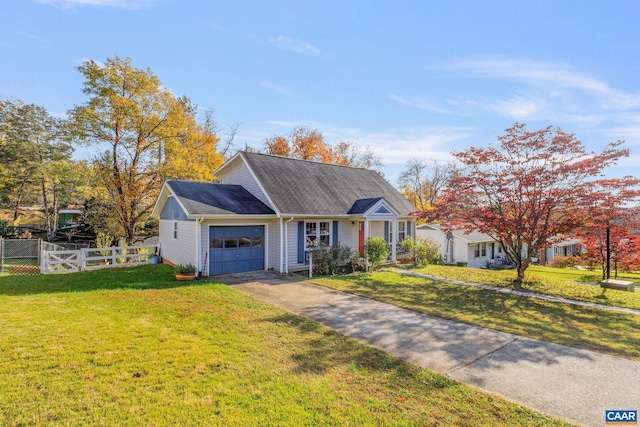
x=379 y=219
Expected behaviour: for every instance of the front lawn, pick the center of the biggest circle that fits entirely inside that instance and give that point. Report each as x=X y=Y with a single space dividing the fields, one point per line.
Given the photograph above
x=560 y=282
x=131 y=346
x=582 y=327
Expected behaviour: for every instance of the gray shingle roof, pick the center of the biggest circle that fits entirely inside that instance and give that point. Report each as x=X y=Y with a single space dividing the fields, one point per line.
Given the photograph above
x=314 y=188
x=204 y=198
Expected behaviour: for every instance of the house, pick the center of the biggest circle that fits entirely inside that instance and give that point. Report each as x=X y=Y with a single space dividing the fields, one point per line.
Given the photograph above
x=267 y=212
x=565 y=247
x=475 y=249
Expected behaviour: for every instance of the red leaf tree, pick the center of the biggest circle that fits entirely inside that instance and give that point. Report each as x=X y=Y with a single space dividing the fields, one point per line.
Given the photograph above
x=609 y=229
x=532 y=187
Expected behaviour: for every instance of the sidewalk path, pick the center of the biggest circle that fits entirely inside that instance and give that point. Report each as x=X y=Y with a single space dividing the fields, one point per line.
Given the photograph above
x=520 y=293
x=576 y=385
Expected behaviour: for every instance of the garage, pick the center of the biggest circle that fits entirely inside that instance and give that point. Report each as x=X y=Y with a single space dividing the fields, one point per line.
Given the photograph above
x=236 y=249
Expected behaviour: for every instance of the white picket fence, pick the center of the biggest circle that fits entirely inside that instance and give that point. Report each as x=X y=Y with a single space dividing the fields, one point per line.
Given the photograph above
x=69 y=261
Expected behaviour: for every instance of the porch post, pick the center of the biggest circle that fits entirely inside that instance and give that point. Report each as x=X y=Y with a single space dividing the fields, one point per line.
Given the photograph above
x=367 y=224
x=394 y=239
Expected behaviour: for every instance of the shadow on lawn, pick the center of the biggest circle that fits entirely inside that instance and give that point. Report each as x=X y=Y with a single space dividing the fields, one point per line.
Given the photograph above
x=155 y=276
x=328 y=349
x=580 y=327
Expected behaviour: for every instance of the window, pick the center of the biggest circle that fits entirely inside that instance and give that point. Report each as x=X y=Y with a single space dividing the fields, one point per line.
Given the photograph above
x=175 y=230
x=402 y=231
x=477 y=250
x=317 y=234
x=483 y=249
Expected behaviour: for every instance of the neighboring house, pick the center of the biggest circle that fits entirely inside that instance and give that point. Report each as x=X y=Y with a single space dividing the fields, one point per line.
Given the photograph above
x=475 y=249
x=268 y=211
x=564 y=247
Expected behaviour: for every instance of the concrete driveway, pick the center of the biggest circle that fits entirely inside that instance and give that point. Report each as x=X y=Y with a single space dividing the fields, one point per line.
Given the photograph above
x=576 y=385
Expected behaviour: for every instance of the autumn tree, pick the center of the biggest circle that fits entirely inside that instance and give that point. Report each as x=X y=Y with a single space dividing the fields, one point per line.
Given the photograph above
x=302 y=143
x=522 y=193
x=309 y=144
x=423 y=182
x=143 y=135
x=32 y=150
x=609 y=228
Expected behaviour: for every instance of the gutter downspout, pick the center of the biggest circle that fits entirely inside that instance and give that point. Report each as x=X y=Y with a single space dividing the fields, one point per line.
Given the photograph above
x=281 y=269
x=286 y=245
x=199 y=245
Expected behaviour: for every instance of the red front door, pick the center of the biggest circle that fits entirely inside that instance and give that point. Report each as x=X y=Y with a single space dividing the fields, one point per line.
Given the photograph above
x=361 y=238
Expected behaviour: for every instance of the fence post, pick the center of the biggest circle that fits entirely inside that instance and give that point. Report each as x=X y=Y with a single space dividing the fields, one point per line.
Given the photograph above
x=113 y=256
x=81 y=257
x=43 y=260
x=1 y=255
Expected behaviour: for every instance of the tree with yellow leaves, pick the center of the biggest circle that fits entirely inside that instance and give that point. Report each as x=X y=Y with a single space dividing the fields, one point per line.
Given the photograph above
x=143 y=135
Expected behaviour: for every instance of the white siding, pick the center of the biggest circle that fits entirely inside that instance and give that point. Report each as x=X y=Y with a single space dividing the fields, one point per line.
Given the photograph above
x=347 y=236
x=272 y=230
x=239 y=174
x=460 y=247
x=183 y=249
x=292 y=246
x=376 y=229
x=480 y=261
x=460 y=250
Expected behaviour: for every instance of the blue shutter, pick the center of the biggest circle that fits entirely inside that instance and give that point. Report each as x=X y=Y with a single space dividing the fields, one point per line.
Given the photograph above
x=301 y=242
x=386 y=231
x=409 y=228
x=335 y=233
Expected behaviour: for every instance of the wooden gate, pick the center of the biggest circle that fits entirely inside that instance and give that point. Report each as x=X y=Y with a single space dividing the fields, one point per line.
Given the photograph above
x=64 y=261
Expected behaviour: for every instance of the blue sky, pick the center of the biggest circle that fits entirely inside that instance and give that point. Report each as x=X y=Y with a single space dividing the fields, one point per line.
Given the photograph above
x=408 y=78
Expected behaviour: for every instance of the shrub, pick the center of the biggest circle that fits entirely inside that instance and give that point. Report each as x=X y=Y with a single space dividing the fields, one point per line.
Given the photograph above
x=425 y=251
x=376 y=250
x=332 y=260
x=561 y=261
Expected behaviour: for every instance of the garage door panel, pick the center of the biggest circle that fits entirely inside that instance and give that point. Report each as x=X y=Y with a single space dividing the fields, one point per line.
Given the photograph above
x=234 y=249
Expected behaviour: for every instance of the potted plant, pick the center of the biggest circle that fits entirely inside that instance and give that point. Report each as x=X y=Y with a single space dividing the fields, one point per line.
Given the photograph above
x=185 y=272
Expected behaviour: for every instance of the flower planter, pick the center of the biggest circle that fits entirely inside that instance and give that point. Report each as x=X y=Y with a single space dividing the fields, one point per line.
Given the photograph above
x=185 y=277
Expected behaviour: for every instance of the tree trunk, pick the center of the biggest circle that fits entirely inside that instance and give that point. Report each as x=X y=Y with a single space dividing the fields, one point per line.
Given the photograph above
x=47 y=214
x=520 y=266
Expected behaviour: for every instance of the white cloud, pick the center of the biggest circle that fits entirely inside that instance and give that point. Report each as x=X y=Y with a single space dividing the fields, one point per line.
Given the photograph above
x=396 y=146
x=421 y=104
x=552 y=77
x=630 y=132
x=287 y=43
x=518 y=107
x=282 y=90
x=125 y=4
x=33 y=37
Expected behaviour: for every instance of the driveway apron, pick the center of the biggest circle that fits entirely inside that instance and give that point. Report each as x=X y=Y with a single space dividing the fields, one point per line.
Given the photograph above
x=565 y=382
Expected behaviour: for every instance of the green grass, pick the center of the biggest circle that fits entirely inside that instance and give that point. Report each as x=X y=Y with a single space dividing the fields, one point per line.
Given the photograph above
x=565 y=283
x=131 y=346
x=582 y=327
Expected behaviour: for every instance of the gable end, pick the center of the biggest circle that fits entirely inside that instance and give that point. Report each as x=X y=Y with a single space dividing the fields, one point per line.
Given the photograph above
x=173 y=211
